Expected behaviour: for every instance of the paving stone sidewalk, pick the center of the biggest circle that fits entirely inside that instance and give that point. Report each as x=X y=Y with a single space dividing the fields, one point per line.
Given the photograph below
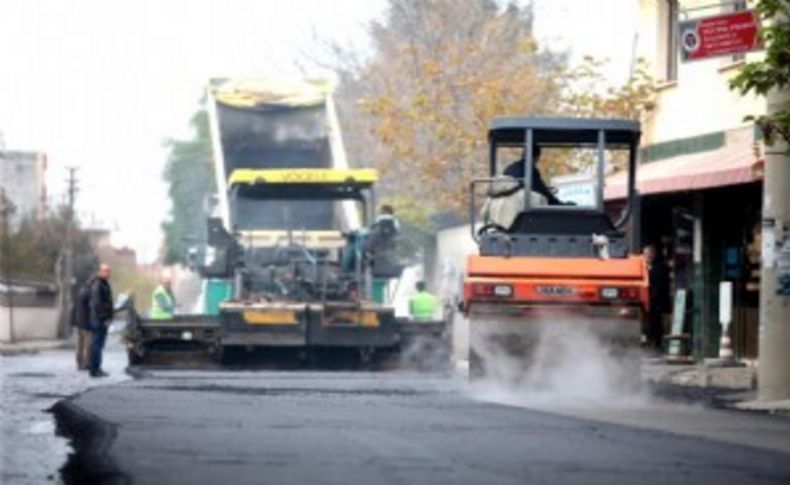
x=732 y=387
x=34 y=346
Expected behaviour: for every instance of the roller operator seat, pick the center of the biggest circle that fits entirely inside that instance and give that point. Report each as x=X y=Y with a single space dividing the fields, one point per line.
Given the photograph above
x=505 y=201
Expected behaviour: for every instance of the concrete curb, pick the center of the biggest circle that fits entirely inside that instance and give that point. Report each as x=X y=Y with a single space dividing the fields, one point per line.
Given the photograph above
x=779 y=408
x=733 y=388
x=736 y=378
x=90 y=438
x=34 y=347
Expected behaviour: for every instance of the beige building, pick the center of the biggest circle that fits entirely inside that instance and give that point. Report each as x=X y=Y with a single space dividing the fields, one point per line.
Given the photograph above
x=23 y=182
x=700 y=178
x=28 y=311
x=694 y=97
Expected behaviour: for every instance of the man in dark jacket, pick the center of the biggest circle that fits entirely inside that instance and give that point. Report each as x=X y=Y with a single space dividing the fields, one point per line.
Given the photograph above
x=516 y=170
x=101 y=311
x=80 y=319
x=658 y=276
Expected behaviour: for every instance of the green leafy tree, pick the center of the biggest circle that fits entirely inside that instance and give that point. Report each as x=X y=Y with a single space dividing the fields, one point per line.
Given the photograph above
x=34 y=248
x=773 y=72
x=585 y=97
x=132 y=280
x=190 y=179
x=589 y=95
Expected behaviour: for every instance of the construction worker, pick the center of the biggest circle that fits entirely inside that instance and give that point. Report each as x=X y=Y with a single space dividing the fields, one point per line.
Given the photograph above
x=423 y=305
x=386 y=221
x=162 y=301
x=382 y=249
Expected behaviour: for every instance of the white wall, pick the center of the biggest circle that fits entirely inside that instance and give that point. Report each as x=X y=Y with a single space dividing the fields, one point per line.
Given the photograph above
x=452 y=248
x=700 y=100
x=30 y=323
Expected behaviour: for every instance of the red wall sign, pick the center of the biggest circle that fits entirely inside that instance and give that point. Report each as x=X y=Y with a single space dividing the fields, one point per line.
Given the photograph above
x=720 y=35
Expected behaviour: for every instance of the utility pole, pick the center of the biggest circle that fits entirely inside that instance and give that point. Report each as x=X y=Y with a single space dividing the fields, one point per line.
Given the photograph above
x=67 y=285
x=6 y=209
x=774 y=341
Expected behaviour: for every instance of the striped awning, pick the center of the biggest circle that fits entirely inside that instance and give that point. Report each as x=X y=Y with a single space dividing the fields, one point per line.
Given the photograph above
x=737 y=162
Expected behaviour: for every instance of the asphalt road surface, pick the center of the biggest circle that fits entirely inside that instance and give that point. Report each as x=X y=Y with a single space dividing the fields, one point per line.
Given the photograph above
x=194 y=427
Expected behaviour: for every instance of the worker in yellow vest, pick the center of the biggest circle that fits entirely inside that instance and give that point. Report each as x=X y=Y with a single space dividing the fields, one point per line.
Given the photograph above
x=423 y=305
x=162 y=302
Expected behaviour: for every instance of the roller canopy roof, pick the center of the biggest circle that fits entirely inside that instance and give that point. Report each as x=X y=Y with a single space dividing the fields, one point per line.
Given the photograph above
x=563 y=131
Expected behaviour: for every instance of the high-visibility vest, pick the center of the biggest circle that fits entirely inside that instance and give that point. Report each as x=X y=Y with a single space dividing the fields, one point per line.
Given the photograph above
x=423 y=305
x=161 y=304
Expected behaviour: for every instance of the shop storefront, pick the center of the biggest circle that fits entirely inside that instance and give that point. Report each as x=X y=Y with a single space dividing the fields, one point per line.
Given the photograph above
x=700 y=206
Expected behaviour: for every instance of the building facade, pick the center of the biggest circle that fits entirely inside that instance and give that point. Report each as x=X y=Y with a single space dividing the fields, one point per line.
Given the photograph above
x=700 y=178
x=23 y=183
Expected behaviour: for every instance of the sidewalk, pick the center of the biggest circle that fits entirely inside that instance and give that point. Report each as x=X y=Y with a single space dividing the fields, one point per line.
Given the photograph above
x=729 y=387
x=700 y=375
x=34 y=378
x=34 y=346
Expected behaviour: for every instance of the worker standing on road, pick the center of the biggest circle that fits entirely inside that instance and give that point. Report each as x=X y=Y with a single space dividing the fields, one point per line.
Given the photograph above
x=101 y=311
x=162 y=301
x=80 y=320
x=423 y=305
x=382 y=249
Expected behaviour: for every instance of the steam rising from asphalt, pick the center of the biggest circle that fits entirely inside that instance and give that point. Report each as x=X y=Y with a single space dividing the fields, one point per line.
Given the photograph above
x=426 y=354
x=188 y=290
x=571 y=364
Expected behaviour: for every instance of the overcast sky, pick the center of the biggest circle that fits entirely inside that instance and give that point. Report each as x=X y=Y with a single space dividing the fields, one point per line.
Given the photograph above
x=99 y=84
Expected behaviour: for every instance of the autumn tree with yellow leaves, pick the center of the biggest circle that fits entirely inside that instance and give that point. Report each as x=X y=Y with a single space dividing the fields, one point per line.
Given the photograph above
x=419 y=107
